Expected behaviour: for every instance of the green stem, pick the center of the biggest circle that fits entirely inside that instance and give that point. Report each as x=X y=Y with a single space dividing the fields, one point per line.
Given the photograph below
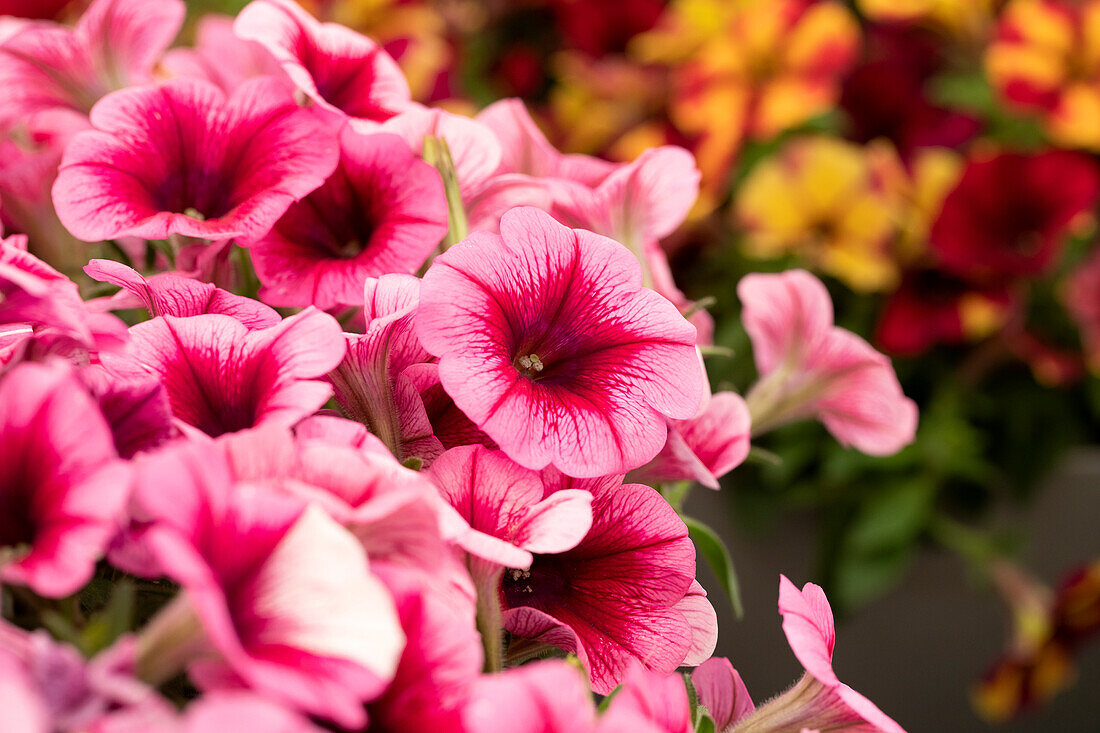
x=438 y=154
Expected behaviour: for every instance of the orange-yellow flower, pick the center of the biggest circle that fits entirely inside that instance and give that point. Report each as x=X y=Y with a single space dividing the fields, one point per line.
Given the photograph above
x=749 y=68
x=820 y=198
x=1046 y=58
x=964 y=19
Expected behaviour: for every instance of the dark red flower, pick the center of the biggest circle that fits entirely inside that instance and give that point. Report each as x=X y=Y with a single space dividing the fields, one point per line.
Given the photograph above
x=1009 y=214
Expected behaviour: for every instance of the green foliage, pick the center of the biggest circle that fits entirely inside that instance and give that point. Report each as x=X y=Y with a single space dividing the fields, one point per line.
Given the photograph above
x=714 y=550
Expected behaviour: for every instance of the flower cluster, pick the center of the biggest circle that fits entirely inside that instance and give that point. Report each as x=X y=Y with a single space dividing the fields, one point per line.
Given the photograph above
x=322 y=407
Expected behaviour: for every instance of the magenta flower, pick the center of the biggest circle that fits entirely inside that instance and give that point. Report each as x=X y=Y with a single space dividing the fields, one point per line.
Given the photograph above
x=819 y=700
x=114 y=45
x=222 y=377
x=220 y=56
x=548 y=342
x=625 y=593
x=282 y=594
x=171 y=295
x=369 y=383
x=382 y=211
x=61 y=485
x=182 y=158
x=137 y=409
x=810 y=368
x=450 y=425
x=346 y=74
x=704 y=448
x=509 y=510
x=722 y=692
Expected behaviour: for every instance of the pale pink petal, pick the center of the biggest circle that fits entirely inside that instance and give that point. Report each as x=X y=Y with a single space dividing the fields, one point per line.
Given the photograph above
x=543 y=697
x=659 y=699
x=220 y=57
x=786 y=316
x=474 y=150
x=808 y=624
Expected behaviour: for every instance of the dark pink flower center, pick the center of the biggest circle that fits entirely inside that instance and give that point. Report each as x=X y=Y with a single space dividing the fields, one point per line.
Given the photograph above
x=544 y=583
x=335 y=221
x=201 y=194
x=17 y=522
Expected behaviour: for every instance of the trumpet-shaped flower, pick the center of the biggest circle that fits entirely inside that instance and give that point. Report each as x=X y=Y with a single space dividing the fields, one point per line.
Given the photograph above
x=370 y=383
x=811 y=368
x=280 y=593
x=382 y=211
x=114 y=45
x=819 y=198
x=819 y=700
x=346 y=74
x=222 y=377
x=1046 y=59
x=1008 y=215
x=626 y=593
x=548 y=342
x=181 y=158
x=61 y=484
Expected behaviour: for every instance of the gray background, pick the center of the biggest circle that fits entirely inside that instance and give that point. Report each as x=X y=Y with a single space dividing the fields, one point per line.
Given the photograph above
x=915 y=651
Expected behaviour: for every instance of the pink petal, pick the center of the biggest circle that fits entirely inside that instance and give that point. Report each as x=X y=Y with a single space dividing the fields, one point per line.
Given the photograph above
x=345 y=73
x=543 y=697
x=220 y=57
x=786 y=316
x=808 y=624
x=171 y=295
x=474 y=150
x=722 y=692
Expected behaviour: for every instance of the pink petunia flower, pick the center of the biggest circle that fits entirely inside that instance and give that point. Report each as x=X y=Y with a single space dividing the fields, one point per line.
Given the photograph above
x=220 y=56
x=370 y=384
x=346 y=74
x=171 y=295
x=61 y=484
x=660 y=700
x=722 y=692
x=279 y=591
x=818 y=701
x=115 y=44
x=541 y=697
x=382 y=211
x=625 y=593
x=181 y=158
x=509 y=510
x=704 y=448
x=810 y=368
x=222 y=377
x=136 y=408
x=548 y=342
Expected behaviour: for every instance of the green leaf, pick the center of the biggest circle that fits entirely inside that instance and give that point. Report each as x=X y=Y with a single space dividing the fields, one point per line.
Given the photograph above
x=704 y=725
x=112 y=621
x=711 y=547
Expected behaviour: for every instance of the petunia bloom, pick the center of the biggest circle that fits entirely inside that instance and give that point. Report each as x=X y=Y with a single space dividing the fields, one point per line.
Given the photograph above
x=1009 y=213
x=818 y=700
x=281 y=594
x=548 y=342
x=62 y=486
x=810 y=368
x=220 y=56
x=181 y=158
x=115 y=44
x=626 y=593
x=222 y=377
x=382 y=211
x=346 y=74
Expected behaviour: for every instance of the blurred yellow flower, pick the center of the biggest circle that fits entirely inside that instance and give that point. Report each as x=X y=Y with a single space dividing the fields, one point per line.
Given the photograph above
x=748 y=68
x=966 y=19
x=918 y=190
x=1046 y=58
x=820 y=198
